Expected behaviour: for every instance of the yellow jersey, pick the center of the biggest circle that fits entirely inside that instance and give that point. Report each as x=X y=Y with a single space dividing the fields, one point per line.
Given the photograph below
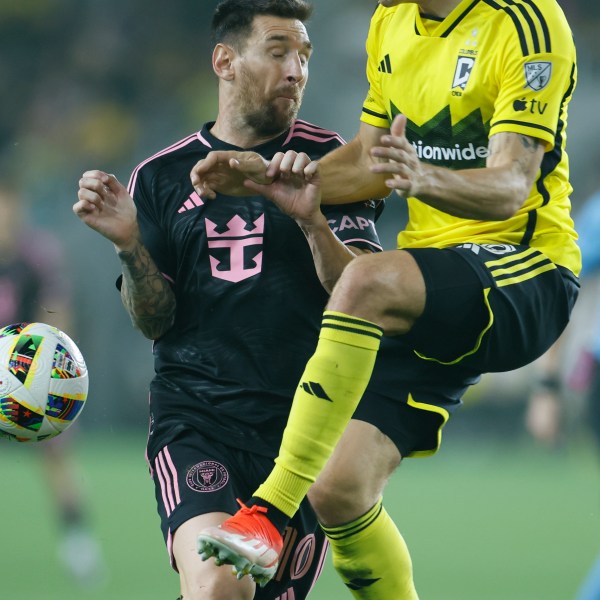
x=489 y=66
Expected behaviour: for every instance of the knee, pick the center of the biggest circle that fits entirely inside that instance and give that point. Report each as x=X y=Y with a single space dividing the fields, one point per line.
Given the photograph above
x=215 y=585
x=204 y=580
x=340 y=500
x=386 y=288
x=358 y=279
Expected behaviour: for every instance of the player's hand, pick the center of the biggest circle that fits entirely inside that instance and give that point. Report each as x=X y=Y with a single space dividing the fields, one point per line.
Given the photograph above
x=400 y=160
x=225 y=171
x=105 y=205
x=296 y=186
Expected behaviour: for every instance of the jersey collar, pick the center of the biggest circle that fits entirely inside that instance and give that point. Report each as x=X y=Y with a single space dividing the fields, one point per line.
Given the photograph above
x=430 y=26
x=267 y=148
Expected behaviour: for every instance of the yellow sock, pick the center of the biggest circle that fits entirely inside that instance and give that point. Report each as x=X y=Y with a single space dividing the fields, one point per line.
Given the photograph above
x=330 y=389
x=371 y=557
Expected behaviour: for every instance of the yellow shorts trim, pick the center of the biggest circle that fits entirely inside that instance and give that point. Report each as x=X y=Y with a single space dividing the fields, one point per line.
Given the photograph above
x=522 y=270
x=486 y=293
x=430 y=408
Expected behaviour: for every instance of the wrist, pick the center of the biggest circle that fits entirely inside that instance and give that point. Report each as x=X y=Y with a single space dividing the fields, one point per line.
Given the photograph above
x=129 y=244
x=128 y=247
x=316 y=222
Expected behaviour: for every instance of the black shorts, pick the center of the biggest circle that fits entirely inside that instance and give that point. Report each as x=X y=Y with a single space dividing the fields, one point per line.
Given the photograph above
x=488 y=308
x=195 y=475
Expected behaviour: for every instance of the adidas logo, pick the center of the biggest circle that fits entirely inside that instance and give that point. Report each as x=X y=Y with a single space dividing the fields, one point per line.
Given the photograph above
x=385 y=66
x=315 y=389
x=361 y=584
x=192 y=202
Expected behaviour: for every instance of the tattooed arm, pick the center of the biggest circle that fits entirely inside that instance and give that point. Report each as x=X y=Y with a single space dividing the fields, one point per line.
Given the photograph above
x=493 y=193
x=146 y=294
x=106 y=206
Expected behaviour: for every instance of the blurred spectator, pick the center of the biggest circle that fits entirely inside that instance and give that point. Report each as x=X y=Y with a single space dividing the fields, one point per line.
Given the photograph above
x=34 y=286
x=546 y=405
x=588 y=226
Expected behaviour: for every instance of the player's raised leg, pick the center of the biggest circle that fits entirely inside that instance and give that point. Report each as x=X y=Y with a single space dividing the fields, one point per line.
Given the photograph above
x=331 y=387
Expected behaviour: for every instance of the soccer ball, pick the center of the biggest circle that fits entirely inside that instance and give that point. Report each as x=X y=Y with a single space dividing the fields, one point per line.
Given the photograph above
x=43 y=382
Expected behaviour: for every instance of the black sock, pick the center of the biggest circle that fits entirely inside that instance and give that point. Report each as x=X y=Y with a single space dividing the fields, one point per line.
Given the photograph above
x=279 y=519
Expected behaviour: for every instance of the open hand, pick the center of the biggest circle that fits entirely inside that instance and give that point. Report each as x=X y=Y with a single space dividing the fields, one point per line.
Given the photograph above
x=402 y=163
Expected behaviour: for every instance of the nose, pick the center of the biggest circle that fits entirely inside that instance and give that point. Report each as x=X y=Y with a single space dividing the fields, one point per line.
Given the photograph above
x=296 y=69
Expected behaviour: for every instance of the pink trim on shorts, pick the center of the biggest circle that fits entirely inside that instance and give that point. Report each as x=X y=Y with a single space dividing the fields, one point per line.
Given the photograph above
x=320 y=566
x=167 y=477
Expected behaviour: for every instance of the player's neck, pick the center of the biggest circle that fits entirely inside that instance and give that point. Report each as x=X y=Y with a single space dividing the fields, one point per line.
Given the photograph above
x=438 y=8
x=236 y=134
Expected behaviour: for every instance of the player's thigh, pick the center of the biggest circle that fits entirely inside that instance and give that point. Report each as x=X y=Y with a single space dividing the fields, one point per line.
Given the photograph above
x=386 y=288
x=203 y=580
x=195 y=476
x=529 y=300
x=197 y=481
x=490 y=307
x=356 y=474
x=455 y=312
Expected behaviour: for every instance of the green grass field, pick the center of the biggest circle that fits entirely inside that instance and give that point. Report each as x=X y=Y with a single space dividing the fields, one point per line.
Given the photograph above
x=484 y=521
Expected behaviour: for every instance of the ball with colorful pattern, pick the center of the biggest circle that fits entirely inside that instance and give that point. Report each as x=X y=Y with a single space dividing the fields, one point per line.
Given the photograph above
x=43 y=382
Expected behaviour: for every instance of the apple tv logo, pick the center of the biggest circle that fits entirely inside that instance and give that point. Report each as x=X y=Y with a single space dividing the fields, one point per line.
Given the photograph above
x=520 y=105
x=533 y=106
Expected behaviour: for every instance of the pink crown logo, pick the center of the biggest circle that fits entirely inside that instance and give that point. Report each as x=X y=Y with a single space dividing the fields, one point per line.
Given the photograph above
x=237 y=228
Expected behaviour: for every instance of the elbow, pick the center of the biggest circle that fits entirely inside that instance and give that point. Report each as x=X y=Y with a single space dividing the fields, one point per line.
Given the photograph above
x=153 y=328
x=152 y=331
x=509 y=204
x=505 y=211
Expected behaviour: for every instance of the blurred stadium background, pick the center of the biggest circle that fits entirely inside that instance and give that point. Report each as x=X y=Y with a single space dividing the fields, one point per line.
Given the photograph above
x=90 y=84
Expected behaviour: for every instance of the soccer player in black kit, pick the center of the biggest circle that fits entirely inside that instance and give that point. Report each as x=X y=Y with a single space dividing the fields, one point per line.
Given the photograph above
x=231 y=290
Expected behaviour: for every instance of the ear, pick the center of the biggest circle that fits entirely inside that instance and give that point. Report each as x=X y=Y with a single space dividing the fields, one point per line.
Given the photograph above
x=222 y=61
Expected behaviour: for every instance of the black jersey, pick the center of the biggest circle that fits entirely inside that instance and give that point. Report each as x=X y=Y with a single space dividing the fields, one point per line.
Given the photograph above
x=249 y=301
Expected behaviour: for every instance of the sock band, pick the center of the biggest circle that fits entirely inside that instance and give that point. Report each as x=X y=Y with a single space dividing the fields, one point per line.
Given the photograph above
x=344 y=329
x=371 y=557
x=343 y=531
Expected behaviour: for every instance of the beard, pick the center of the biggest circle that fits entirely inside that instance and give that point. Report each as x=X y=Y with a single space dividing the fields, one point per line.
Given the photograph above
x=267 y=116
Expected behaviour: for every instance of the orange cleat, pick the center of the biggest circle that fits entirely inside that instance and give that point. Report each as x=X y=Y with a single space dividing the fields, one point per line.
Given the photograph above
x=248 y=541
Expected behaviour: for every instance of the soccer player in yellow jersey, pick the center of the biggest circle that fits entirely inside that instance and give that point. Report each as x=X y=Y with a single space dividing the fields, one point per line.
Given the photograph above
x=465 y=117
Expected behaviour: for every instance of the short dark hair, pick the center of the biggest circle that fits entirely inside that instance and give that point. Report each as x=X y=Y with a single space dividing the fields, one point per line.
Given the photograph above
x=233 y=19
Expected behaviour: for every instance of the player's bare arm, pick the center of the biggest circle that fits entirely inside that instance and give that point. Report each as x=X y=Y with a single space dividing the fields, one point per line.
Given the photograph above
x=146 y=295
x=346 y=174
x=296 y=190
x=225 y=171
x=493 y=193
x=105 y=205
